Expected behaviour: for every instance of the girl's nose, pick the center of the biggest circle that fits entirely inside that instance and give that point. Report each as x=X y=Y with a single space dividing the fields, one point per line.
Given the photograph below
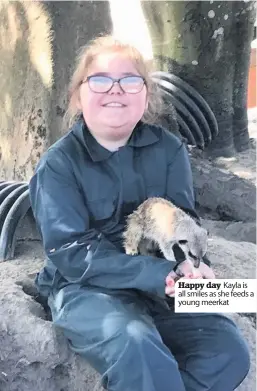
x=116 y=89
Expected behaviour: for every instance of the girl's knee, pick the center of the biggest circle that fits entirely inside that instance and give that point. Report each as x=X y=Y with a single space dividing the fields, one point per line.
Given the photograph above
x=144 y=363
x=130 y=328
x=238 y=352
x=139 y=359
x=228 y=361
x=240 y=356
x=232 y=341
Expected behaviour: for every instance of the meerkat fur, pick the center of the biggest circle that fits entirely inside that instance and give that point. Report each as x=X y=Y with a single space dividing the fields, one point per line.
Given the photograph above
x=158 y=224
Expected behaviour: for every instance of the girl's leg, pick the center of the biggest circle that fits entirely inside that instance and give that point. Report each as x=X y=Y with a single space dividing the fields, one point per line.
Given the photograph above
x=211 y=352
x=116 y=335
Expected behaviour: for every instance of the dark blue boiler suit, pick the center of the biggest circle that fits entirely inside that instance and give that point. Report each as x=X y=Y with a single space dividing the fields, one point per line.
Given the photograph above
x=112 y=306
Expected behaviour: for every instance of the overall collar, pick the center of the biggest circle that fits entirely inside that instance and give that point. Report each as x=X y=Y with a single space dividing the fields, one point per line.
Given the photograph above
x=142 y=135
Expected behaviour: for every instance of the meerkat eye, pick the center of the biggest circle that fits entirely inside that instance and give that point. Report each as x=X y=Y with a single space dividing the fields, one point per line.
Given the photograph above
x=182 y=241
x=178 y=253
x=192 y=255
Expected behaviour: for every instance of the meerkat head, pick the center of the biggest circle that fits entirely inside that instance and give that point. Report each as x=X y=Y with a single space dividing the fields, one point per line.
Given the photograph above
x=191 y=238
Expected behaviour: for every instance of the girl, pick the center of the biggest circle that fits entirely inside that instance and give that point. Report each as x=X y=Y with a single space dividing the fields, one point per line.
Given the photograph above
x=111 y=306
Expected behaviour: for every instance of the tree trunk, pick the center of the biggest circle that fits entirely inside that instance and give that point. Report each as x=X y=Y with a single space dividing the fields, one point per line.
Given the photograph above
x=208 y=45
x=86 y=20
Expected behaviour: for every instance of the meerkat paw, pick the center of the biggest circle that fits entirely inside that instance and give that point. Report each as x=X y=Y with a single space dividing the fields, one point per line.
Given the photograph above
x=131 y=251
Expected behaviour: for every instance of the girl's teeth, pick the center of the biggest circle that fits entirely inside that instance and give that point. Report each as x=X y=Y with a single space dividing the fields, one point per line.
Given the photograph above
x=114 y=104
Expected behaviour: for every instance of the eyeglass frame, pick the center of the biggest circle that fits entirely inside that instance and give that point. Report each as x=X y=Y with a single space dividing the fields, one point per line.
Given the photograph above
x=113 y=82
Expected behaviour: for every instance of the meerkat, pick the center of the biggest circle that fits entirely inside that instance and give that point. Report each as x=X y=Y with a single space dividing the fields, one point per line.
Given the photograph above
x=158 y=225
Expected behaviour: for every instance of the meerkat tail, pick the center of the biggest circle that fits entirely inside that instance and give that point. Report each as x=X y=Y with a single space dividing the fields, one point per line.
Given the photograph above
x=132 y=235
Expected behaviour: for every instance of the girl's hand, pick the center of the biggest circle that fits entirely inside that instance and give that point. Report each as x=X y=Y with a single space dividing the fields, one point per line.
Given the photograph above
x=204 y=271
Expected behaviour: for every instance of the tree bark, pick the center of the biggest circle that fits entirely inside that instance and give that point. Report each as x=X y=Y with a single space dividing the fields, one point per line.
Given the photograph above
x=208 y=45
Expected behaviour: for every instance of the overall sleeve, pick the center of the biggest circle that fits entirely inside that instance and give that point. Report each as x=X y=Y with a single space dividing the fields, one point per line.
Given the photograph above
x=180 y=188
x=82 y=254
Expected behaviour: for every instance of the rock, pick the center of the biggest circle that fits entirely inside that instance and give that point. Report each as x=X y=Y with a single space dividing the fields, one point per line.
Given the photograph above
x=44 y=362
x=220 y=190
x=236 y=231
x=35 y=356
x=232 y=259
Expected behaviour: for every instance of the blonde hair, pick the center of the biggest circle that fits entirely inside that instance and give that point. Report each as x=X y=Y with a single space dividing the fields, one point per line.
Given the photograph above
x=111 y=44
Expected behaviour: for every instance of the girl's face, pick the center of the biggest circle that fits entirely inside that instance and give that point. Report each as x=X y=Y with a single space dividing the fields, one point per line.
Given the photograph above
x=112 y=115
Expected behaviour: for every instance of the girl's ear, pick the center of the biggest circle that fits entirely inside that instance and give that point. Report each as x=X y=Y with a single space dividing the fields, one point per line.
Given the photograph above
x=78 y=103
x=77 y=100
x=146 y=103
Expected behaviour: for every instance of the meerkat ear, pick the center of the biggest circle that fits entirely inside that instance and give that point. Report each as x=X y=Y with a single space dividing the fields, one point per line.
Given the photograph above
x=182 y=241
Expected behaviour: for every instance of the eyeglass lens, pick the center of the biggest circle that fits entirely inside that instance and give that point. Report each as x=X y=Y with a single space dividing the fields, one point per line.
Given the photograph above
x=129 y=84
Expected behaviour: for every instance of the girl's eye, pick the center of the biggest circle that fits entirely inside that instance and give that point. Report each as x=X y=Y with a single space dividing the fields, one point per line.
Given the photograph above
x=101 y=79
x=132 y=84
x=132 y=80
